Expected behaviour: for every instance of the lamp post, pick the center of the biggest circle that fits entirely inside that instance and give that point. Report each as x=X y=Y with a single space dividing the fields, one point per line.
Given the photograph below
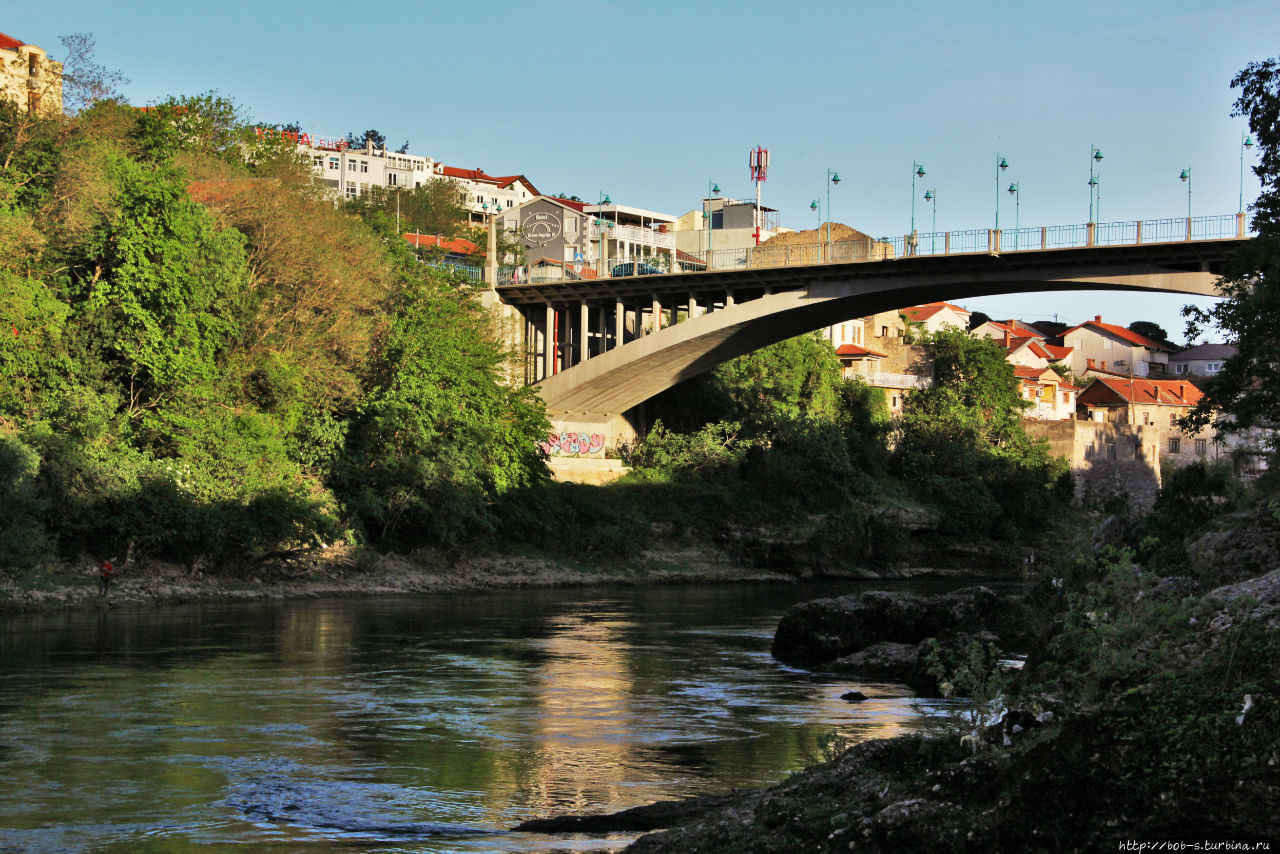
x=1001 y=165
x=1095 y=157
x=816 y=205
x=713 y=189
x=602 y=226
x=931 y=196
x=1246 y=141
x=1015 y=190
x=917 y=171
x=832 y=178
x=1185 y=178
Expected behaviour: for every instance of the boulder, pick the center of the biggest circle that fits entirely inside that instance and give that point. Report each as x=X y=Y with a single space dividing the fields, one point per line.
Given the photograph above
x=827 y=629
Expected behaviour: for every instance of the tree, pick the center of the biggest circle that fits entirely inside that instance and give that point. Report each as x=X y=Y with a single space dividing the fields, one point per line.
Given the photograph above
x=1148 y=329
x=379 y=140
x=1247 y=389
x=85 y=82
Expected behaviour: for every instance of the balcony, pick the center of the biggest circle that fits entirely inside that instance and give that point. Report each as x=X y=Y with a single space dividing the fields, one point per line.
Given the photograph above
x=636 y=234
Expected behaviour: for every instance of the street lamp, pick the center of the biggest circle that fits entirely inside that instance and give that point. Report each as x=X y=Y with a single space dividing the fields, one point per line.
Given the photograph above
x=1095 y=157
x=1015 y=190
x=832 y=178
x=816 y=205
x=1185 y=178
x=917 y=171
x=1001 y=165
x=1246 y=141
x=931 y=196
x=713 y=189
x=602 y=226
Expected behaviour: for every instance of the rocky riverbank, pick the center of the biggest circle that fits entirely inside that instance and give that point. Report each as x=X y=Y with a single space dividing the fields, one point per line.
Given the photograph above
x=346 y=571
x=1150 y=716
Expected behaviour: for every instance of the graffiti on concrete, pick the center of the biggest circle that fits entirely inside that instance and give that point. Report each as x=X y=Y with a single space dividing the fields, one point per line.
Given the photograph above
x=573 y=444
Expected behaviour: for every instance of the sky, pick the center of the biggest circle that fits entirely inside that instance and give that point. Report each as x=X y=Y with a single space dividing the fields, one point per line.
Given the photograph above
x=648 y=102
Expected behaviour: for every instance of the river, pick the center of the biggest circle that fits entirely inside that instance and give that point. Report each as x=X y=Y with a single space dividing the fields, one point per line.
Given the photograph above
x=415 y=724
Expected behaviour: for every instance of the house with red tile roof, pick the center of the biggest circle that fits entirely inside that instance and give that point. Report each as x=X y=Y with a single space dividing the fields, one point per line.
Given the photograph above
x=1156 y=402
x=1052 y=397
x=29 y=78
x=1115 y=348
x=454 y=249
x=484 y=194
x=936 y=316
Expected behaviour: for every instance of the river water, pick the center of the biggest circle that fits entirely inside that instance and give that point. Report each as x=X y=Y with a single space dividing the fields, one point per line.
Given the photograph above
x=416 y=724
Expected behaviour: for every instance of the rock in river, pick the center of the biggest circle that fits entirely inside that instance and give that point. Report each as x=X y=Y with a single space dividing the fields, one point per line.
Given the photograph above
x=827 y=629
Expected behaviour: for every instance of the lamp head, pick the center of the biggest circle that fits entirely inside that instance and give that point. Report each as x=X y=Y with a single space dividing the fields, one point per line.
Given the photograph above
x=928 y=195
x=1097 y=155
x=1004 y=164
x=1013 y=188
x=920 y=171
x=1093 y=182
x=1186 y=173
x=835 y=177
x=606 y=200
x=1248 y=141
x=715 y=189
x=813 y=205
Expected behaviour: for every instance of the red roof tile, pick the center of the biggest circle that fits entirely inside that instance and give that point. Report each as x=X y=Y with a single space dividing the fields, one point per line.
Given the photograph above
x=855 y=350
x=568 y=203
x=1159 y=392
x=457 y=244
x=1122 y=333
x=920 y=313
x=9 y=42
x=502 y=182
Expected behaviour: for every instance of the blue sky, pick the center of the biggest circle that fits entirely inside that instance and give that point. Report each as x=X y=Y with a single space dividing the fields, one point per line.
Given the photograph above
x=649 y=101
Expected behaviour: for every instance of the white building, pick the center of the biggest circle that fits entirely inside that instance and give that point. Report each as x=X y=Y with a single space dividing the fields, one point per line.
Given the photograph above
x=725 y=224
x=484 y=194
x=350 y=172
x=1202 y=360
x=631 y=234
x=1114 y=348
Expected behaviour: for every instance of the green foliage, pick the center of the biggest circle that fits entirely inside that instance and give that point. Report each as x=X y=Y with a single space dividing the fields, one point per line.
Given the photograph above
x=1191 y=498
x=974 y=680
x=1247 y=389
x=23 y=539
x=437 y=432
x=714 y=451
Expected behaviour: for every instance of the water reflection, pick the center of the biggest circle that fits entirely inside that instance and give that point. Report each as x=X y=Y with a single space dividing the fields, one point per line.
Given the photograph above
x=426 y=724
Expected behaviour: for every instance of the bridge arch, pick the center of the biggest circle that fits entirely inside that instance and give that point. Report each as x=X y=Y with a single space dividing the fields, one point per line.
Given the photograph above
x=795 y=300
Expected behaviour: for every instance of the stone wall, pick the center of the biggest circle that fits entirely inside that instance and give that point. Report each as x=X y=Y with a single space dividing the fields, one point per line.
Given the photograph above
x=1108 y=461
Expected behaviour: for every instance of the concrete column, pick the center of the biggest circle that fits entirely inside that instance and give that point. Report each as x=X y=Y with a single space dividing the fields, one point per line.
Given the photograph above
x=1090 y=234
x=619 y=322
x=693 y=306
x=549 y=343
x=584 y=332
x=728 y=299
x=491 y=259
x=1239 y=224
x=657 y=314
x=1139 y=231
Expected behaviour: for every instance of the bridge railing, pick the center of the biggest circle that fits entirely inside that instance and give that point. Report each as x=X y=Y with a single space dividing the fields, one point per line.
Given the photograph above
x=1130 y=233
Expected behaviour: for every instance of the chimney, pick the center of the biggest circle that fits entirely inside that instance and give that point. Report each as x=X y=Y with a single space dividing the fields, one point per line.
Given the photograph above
x=1097 y=318
x=1104 y=364
x=1182 y=390
x=1090 y=361
x=1006 y=337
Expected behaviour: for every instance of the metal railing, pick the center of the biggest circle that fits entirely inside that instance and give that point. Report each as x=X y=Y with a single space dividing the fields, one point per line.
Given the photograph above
x=635 y=234
x=972 y=241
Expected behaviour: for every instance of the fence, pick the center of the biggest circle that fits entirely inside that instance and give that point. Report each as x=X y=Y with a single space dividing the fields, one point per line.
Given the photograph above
x=1132 y=233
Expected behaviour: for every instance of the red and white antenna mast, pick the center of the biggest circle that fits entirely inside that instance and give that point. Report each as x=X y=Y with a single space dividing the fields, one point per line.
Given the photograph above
x=758 y=163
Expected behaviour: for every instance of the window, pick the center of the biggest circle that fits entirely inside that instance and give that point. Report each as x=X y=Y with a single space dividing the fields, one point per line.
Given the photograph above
x=1111 y=450
x=1180 y=369
x=32 y=68
x=333 y=163
x=1137 y=450
x=351 y=191
x=1212 y=367
x=392 y=179
x=1173 y=419
x=1175 y=445
x=1202 y=446
x=1088 y=451
x=364 y=165
x=1107 y=343
x=351 y=164
x=1146 y=417
x=1066 y=397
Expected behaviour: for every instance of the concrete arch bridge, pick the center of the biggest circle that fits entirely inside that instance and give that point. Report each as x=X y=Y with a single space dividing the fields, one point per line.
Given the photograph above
x=597 y=347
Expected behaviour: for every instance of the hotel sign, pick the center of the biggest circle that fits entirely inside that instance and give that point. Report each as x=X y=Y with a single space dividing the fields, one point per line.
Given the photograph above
x=541 y=228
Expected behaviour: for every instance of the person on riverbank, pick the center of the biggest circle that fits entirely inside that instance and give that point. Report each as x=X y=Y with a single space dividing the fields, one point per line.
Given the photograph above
x=106 y=571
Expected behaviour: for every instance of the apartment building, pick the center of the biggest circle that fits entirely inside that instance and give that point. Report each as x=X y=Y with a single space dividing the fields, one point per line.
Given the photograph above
x=29 y=78
x=1114 y=348
x=351 y=171
x=484 y=194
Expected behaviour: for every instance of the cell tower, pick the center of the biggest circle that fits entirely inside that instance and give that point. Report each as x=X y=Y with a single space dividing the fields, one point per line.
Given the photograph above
x=758 y=163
